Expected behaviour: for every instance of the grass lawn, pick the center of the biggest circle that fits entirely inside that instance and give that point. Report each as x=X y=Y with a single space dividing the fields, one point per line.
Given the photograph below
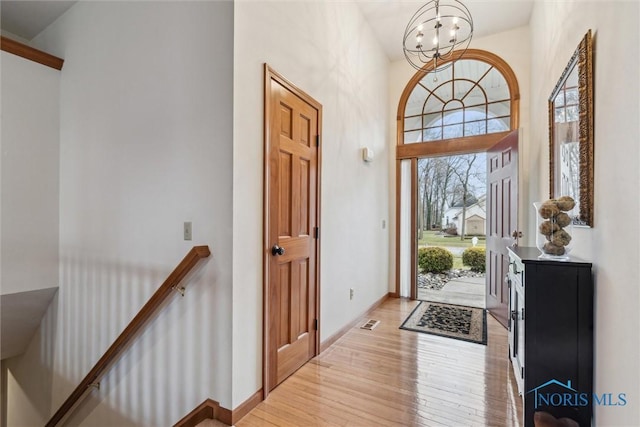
x=435 y=238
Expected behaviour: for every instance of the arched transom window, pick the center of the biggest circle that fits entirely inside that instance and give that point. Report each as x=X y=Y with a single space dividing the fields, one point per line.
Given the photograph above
x=471 y=98
x=468 y=107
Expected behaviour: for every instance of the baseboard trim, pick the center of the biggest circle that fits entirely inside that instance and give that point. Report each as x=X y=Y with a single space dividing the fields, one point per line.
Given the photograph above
x=206 y=410
x=210 y=409
x=245 y=407
x=335 y=337
x=225 y=416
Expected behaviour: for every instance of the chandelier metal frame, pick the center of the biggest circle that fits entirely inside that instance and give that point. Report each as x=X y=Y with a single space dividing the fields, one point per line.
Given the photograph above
x=438 y=32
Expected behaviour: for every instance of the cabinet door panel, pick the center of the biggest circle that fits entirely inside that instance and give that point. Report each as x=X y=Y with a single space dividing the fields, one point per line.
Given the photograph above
x=552 y=339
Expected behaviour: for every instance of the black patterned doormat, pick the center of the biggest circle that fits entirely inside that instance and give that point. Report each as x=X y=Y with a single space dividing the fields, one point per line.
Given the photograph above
x=447 y=320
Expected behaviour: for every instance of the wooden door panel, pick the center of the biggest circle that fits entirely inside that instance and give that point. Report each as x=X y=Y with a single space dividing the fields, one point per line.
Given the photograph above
x=303 y=208
x=282 y=309
x=296 y=248
x=303 y=300
x=285 y=227
x=289 y=357
x=502 y=180
x=295 y=149
x=305 y=130
x=291 y=198
x=286 y=120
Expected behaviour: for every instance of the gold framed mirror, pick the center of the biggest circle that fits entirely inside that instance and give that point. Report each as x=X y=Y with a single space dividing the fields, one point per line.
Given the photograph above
x=571 y=133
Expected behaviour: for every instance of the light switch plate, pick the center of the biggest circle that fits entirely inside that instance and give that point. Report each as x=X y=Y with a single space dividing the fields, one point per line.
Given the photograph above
x=187 y=231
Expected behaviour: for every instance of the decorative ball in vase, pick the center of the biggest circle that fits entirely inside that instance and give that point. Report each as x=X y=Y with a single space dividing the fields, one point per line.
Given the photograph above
x=555 y=227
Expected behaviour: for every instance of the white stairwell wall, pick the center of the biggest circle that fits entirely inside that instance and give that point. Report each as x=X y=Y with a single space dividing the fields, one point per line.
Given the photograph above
x=29 y=147
x=145 y=144
x=146 y=140
x=29 y=175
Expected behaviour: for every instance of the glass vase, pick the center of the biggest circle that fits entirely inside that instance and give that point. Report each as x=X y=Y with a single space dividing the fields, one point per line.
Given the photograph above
x=554 y=228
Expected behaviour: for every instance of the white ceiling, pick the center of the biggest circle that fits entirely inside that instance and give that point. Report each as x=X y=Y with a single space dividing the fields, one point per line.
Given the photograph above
x=27 y=19
x=388 y=18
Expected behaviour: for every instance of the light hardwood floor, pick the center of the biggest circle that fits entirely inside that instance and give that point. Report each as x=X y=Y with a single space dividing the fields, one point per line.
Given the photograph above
x=394 y=377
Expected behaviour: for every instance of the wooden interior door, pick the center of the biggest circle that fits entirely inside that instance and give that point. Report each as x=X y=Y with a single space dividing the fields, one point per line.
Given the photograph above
x=502 y=186
x=292 y=135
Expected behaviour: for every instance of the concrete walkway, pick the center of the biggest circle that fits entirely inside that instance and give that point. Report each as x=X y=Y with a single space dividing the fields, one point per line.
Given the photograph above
x=467 y=291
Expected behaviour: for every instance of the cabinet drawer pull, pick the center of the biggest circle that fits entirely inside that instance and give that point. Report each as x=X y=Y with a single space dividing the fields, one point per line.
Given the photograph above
x=514 y=267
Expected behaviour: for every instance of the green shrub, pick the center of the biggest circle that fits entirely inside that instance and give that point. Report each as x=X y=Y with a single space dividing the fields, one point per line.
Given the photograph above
x=475 y=258
x=434 y=260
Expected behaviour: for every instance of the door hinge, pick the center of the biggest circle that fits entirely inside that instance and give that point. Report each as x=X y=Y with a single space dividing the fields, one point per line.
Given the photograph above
x=315 y=324
x=316 y=233
x=317 y=140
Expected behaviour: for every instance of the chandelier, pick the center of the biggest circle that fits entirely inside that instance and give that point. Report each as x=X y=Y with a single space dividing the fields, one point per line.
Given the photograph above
x=440 y=31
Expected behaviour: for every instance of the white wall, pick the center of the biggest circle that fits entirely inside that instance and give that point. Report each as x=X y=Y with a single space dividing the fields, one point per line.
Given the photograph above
x=29 y=175
x=327 y=50
x=145 y=144
x=513 y=47
x=613 y=243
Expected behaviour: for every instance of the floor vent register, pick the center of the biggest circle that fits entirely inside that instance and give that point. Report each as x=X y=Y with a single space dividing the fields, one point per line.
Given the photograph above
x=370 y=324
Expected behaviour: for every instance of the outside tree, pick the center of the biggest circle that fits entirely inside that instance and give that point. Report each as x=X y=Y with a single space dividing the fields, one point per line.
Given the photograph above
x=444 y=180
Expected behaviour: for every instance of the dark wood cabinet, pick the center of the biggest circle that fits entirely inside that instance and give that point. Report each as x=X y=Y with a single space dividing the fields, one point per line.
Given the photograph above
x=551 y=334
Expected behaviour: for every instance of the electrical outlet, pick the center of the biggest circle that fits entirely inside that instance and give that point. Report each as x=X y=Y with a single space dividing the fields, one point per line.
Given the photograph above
x=384 y=224
x=351 y=293
x=187 y=231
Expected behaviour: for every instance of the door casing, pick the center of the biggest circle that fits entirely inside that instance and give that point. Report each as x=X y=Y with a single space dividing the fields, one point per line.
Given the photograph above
x=453 y=146
x=269 y=75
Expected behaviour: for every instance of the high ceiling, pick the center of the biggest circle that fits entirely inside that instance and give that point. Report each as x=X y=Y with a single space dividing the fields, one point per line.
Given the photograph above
x=388 y=18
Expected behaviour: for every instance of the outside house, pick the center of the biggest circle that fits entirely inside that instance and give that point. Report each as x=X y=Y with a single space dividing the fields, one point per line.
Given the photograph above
x=476 y=217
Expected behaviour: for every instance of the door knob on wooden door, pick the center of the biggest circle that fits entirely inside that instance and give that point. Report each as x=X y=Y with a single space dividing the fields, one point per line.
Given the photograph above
x=277 y=250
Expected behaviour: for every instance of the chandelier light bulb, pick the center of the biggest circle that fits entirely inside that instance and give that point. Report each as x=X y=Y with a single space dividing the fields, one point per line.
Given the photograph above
x=455 y=20
x=435 y=40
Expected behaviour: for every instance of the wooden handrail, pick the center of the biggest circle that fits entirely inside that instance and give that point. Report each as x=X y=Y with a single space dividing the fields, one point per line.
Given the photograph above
x=30 y=53
x=145 y=313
